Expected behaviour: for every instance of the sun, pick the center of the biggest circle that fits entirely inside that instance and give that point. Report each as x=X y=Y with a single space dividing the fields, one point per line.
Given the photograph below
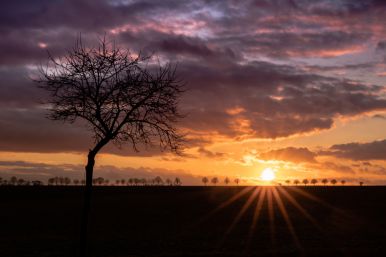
x=267 y=174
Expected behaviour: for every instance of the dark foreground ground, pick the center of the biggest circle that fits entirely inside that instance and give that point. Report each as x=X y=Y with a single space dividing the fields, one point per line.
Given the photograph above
x=181 y=221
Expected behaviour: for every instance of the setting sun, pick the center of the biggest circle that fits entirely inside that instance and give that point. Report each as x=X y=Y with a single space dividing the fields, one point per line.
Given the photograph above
x=267 y=174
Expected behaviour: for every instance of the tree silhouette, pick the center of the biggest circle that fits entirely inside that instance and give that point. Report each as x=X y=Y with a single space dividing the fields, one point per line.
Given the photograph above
x=314 y=181
x=177 y=181
x=67 y=181
x=158 y=180
x=305 y=181
x=361 y=183
x=288 y=181
x=168 y=182
x=296 y=182
x=226 y=180
x=13 y=180
x=324 y=181
x=76 y=182
x=333 y=181
x=51 y=181
x=237 y=181
x=35 y=183
x=343 y=182
x=119 y=97
x=143 y=181
x=214 y=180
x=205 y=180
x=21 y=182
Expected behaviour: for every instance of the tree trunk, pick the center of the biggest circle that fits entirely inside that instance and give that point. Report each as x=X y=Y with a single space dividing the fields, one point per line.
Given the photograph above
x=86 y=203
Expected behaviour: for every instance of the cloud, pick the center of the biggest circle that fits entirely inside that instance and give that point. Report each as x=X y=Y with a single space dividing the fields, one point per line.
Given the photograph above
x=269 y=95
x=340 y=168
x=248 y=55
x=209 y=154
x=291 y=154
x=375 y=150
x=28 y=130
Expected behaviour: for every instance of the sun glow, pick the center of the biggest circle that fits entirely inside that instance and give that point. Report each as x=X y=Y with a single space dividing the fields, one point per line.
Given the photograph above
x=267 y=174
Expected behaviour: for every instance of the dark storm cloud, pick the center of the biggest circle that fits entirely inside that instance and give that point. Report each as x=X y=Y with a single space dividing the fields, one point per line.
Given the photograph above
x=216 y=45
x=291 y=154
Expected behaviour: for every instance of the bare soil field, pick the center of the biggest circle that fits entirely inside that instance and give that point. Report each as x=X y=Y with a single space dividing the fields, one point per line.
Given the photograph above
x=195 y=221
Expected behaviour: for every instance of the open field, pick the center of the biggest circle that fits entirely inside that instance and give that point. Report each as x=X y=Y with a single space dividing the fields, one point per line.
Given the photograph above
x=184 y=221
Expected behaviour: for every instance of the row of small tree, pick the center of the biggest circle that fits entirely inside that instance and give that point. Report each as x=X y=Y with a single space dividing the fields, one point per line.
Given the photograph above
x=215 y=180
x=314 y=182
x=14 y=181
x=119 y=182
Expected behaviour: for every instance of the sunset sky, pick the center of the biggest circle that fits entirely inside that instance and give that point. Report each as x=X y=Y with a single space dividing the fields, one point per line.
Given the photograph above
x=296 y=86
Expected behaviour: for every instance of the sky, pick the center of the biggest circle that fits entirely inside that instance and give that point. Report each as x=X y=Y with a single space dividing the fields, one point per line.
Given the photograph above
x=296 y=86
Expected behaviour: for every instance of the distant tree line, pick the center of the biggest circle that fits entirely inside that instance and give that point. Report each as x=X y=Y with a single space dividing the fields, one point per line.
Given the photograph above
x=215 y=180
x=14 y=181
x=157 y=181
x=100 y=181
x=314 y=182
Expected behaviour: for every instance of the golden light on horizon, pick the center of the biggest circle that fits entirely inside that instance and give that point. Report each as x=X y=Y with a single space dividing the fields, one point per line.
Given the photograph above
x=268 y=174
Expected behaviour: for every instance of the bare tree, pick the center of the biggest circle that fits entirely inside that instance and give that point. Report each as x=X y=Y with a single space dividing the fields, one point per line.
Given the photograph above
x=121 y=98
x=205 y=180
